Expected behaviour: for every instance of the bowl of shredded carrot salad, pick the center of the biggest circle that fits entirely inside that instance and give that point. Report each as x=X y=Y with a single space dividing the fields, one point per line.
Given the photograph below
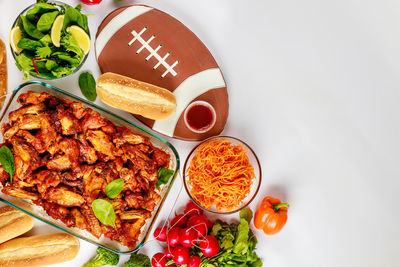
x=222 y=174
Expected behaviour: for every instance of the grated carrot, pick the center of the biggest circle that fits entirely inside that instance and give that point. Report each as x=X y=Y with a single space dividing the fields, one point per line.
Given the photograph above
x=220 y=174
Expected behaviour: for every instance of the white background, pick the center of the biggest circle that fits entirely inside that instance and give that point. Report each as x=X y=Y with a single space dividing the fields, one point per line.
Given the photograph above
x=314 y=89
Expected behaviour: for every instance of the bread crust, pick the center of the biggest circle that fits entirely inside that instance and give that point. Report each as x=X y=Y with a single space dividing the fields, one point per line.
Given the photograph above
x=39 y=250
x=13 y=223
x=136 y=97
x=3 y=72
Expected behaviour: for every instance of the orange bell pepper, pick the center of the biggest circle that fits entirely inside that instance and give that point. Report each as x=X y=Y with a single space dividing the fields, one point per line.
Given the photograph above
x=271 y=215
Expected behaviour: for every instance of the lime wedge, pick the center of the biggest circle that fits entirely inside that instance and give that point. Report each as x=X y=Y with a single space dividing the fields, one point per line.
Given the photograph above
x=56 y=30
x=81 y=37
x=15 y=37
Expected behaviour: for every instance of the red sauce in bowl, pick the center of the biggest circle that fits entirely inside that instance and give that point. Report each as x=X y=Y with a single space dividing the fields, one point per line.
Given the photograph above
x=200 y=116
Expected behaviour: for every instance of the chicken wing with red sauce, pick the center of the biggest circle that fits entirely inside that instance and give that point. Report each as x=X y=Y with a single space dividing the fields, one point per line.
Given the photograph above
x=65 y=155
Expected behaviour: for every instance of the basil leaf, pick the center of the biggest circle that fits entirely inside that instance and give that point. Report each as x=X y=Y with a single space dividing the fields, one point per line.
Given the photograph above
x=7 y=161
x=114 y=188
x=46 y=20
x=104 y=212
x=163 y=176
x=88 y=86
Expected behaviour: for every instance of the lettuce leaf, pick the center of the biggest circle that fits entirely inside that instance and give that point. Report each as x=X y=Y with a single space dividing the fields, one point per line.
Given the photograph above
x=24 y=63
x=43 y=52
x=70 y=45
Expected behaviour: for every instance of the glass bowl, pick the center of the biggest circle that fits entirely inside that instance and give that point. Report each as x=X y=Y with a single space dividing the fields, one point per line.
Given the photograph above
x=33 y=74
x=256 y=182
x=38 y=212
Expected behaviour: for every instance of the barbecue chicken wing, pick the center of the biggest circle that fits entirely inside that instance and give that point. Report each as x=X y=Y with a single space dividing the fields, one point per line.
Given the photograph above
x=65 y=155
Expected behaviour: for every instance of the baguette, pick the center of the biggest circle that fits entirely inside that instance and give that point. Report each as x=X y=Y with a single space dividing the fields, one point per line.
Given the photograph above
x=136 y=97
x=13 y=223
x=3 y=72
x=39 y=250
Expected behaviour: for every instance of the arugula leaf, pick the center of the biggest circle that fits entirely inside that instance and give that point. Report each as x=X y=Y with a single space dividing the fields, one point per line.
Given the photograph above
x=28 y=44
x=242 y=236
x=46 y=20
x=30 y=29
x=87 y=84
x=163 y=176
x=114 y=188
x=104 y=212
x=43 y=52
x=24 y=64
x=39 y=8
x=7 y=161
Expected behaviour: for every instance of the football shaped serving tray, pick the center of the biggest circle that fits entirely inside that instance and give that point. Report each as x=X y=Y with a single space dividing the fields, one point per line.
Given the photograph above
x=149 y=45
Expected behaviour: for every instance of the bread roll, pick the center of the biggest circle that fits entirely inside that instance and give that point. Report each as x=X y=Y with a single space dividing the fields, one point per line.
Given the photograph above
x=136 y=97
x=39 y=250
x=13 y=223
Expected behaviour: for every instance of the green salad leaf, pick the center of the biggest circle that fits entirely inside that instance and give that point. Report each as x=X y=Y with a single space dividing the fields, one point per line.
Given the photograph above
x=104 y=212
x=163 y=176
x=114 y=188
x=50 y=61
x=87 y=84
x=51 y=64
x=30 y=29
x=43 y=52
x=61 y=71
x=38 y=9
x=246 y=214
x=74 y=16
x=46 y=40
x=29 y=44
x=7 y=161
x=70 y=45
x=24 y=63
x=241 y=242
x=237 y=244
x=46 y=20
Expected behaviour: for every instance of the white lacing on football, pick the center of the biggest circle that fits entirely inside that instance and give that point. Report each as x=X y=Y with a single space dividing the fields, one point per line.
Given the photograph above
x=153 y=52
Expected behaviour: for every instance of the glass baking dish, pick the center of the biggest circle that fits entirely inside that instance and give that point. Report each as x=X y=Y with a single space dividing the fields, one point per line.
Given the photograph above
x=38 y=212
